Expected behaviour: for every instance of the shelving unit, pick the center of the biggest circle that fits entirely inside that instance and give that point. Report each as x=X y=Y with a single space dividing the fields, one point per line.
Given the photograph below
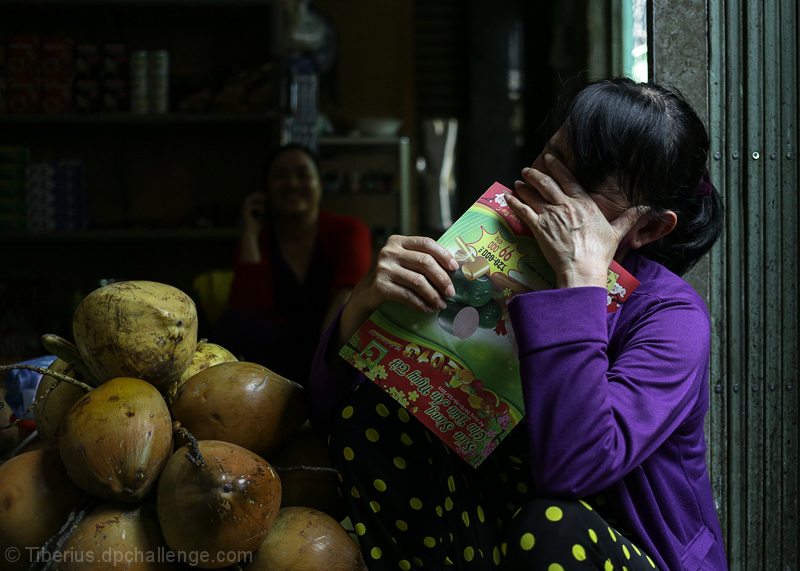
x=351 y=161
x=164 y=190
x=130 y=119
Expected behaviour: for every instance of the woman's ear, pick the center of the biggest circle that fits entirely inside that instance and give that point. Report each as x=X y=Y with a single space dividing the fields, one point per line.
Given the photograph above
x=651 y=227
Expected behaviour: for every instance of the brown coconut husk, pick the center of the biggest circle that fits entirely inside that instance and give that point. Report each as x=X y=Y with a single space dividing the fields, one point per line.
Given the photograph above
x=37 y=497
x=116 y=439
x=215 y=497
x=242 y=403
x=305 y=539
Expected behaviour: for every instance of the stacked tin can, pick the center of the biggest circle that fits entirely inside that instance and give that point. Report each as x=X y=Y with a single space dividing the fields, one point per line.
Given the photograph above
x=158 y=81
x=138 y=84
x=149 y=81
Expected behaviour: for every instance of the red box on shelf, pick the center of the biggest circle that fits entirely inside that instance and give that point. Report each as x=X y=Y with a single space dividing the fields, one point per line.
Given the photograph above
x=22 y=95
x=56 y=97
x=56 y=58
x=88 y=61
x=22 y=56
x=88 y=96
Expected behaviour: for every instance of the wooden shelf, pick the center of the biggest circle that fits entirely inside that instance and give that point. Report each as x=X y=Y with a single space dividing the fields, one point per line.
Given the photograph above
x=128 y=235
x=135 y=3
x=362 y=141
x=131 y=119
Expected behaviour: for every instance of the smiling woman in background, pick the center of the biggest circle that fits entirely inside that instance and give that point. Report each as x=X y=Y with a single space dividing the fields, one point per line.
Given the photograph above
x=295 y=267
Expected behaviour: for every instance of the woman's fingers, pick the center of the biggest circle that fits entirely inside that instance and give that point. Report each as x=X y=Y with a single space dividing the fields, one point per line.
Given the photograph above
x=413 y=270
x=413 y=289
x=625 y=221
x=524 y=208
x=564 y=178
x=557 y=187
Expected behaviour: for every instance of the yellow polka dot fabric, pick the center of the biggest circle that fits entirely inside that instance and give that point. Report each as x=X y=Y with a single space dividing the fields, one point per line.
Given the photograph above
x=469 y=553
x=416 y=505
x=579 y=552
x=527 y=542
x=554 y=513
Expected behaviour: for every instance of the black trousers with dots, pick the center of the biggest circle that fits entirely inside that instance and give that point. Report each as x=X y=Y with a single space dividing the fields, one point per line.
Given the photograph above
x=413 y=502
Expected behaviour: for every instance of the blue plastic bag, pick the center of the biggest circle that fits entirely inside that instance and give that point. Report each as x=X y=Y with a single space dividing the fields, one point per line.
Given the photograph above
x=21 y=385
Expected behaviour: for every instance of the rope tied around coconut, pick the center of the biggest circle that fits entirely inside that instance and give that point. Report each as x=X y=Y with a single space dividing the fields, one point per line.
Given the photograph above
x=307 y=468
x=45 y=555
x=60 y=377
x=197 y=459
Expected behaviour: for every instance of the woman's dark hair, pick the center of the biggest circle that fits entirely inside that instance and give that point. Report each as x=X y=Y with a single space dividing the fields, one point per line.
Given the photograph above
x=285 y=149
x=655 y=144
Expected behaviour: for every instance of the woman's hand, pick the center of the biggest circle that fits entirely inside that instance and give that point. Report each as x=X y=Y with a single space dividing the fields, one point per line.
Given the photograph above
x=409 y=269
x=253 y=210
x=578 y=233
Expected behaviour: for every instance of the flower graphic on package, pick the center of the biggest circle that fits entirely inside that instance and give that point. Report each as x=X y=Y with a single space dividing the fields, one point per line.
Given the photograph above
x=376 y=372
x=616 y=294
x=500 y=199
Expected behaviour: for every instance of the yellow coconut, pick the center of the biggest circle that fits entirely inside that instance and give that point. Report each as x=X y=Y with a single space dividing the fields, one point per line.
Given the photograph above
x=116 y=439
x=116 y=536
x=206 y=355
x=221 y=505
x=36 y=498
x=242 y=403
x=51 y=410
x=140 y=329
x=305 y=539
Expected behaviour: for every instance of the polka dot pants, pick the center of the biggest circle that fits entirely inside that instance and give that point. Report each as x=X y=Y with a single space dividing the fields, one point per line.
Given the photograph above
x=414 y=503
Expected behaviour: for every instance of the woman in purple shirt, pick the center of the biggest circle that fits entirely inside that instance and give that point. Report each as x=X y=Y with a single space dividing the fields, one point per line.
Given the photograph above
x=607 y=471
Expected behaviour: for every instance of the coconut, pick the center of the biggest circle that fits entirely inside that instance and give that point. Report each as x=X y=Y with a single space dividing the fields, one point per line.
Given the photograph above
x=140 y=329
x=117 y=536
x=51 y=410
x=305 y=539
x=36 y=498
x=307 y=479
x=242 y=403
x=116 y=439
x=206 y=355
x=218 y=500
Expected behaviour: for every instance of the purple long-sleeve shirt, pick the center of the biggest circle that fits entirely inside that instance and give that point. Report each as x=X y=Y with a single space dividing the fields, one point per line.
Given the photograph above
x=613 y=401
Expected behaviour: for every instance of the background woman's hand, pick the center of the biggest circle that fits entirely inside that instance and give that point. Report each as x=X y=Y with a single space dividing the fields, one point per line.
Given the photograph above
x=409 y=269
x=253 y=210
x=579 y=233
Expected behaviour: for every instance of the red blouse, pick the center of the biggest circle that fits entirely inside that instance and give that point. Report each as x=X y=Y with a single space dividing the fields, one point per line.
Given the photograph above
x=346 y=243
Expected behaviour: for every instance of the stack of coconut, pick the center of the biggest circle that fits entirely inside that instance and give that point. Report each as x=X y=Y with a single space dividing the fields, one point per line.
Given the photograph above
x=161 y=452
